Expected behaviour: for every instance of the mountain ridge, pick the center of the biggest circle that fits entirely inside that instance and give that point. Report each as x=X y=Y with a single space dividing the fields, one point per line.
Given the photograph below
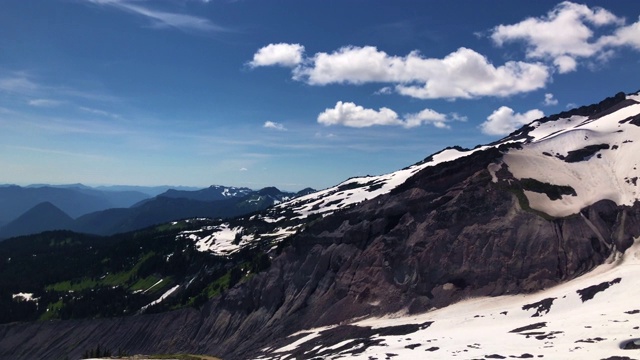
x=460 y=224
x=213 y=202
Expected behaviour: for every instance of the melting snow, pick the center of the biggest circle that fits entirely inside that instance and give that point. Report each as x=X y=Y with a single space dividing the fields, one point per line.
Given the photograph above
x=500 y=327
x=222 y=239
x=161 y=298
x=24 y=297
x=606 y=174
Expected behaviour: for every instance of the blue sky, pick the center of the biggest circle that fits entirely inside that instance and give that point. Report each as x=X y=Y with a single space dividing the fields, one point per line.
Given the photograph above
x=288 y=93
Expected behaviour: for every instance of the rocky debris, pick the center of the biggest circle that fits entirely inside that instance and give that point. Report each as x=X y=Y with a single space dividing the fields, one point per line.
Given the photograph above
x=535 y=326
x=542 y=307
x=589 y=292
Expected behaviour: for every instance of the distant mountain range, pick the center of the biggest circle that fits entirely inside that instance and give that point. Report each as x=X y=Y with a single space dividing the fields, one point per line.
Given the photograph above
x=105 y=212
x=75 y=200
x=452 y=257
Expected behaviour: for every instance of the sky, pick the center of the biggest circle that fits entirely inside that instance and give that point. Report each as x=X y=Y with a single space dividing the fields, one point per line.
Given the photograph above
x=288 y=93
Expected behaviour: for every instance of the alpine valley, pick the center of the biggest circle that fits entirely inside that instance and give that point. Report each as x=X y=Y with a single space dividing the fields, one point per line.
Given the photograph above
x=523 y=248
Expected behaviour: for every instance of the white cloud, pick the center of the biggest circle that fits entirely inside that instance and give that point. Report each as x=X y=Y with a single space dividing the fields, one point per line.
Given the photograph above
x=274 y=125
x=288 y=55
x=244 y=169
x=384 y=91
x=322 y=135
x=44 y=103
x=504 y=120
x=352 y=115
x=549 y=100
x=468 y=74
x=18 y=83
x=624 y=36
x=100 y=112
x=457 y=117
x=564 y=35
x=426 y=116
x=461 y=74
x=162 y=19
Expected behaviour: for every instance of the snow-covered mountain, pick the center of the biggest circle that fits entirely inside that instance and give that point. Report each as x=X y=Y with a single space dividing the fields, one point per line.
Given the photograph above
x=592 y=158
x=491 y=252
x=588 y=155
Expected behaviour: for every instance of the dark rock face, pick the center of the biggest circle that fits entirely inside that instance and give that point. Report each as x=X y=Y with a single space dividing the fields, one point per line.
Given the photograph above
x=447 y=233
x=588 y=293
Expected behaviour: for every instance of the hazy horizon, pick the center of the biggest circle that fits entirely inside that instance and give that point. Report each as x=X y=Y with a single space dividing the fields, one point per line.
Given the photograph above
x=287 y=93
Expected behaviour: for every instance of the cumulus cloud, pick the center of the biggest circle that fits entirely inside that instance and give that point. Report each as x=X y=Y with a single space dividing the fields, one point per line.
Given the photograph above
x=549 y=100
x=560 y=41
x=504 y=120
x=274 y=125
x=461 y=74
x=624 y=36
x=287 y=55
x=352 y=115
x=564 y=35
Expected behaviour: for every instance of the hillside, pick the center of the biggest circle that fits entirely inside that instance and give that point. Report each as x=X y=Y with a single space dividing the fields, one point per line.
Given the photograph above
x=74 y=200
x=42 y=217
x=212 y=202
x=322 y=275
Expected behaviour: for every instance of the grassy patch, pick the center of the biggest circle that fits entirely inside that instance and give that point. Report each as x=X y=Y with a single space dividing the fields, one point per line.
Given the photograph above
x=52 y=311
x=216 y=287
x=73 y=285
x=144 y=284
x=180 y=225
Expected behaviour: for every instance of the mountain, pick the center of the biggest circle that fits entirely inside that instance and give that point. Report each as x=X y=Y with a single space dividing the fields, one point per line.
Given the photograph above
x=230 y=202
x=451 y=257
x=151 y=191
x=42 y=217
x=213 y=202
x=212 y=193
x=170 y=206
x=75 y=200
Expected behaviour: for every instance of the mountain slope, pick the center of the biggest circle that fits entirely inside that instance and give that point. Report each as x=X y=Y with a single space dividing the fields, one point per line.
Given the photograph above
x=557 y=323
x=75 y=200
x=212 y=193
x=44 y=216
x=163 y=209
x=461 y=224
x=169 y=206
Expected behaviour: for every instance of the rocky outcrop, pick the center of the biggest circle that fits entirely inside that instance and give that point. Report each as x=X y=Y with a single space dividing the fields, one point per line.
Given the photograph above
x=448 y=233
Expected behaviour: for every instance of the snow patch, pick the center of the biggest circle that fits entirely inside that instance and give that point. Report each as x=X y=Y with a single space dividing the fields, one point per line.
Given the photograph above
x=480 y=327
x=161 y=298
x=24 y=297
x=604 y=175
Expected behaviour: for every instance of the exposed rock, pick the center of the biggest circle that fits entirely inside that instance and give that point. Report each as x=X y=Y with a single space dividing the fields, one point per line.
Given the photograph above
x=589 y=292
x=447 y=227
